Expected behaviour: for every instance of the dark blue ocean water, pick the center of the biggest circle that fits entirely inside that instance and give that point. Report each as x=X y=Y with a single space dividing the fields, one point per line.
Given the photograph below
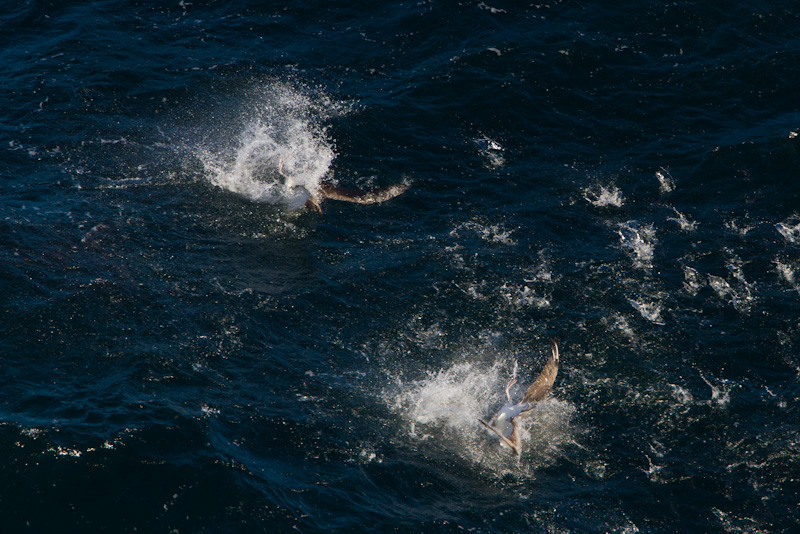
x=183 y=350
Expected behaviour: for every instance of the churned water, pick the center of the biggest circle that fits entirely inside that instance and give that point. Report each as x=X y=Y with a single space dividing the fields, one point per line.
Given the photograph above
x=186 y=348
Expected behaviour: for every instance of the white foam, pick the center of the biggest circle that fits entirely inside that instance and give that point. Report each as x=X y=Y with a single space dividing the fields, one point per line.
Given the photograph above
x=472 y=290
x=738 y=523
x=493 y=10
x=681 y=394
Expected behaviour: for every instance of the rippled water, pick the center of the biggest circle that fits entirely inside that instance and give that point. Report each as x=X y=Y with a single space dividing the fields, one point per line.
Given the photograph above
x=187 y=348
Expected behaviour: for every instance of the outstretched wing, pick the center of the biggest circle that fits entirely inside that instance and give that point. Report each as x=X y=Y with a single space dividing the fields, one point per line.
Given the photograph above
x=544 y=382
x=361 y=196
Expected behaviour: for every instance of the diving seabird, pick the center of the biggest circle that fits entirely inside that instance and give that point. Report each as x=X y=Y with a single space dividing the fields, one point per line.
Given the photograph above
x=334 y=192
x=504 y=422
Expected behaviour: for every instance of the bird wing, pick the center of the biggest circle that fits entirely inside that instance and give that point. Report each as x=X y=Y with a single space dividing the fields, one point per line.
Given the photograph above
x=362 y=196
x=544 y=382
x=514 y=442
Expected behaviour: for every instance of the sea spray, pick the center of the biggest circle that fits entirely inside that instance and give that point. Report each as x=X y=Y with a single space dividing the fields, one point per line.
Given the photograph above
x=282 y=126
x=442 y=409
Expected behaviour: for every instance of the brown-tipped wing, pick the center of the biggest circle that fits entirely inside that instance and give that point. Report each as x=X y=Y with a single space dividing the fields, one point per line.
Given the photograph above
x=513 y=443
x=313 y=204
x=361 y=196
x=541 y=387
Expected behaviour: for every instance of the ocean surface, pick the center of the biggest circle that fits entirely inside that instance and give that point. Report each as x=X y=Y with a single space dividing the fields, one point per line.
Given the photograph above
x=186 y=348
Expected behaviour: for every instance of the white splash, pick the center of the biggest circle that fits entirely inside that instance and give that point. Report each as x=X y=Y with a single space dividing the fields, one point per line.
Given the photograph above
x=208 y=411
x=787 y=272
x=639 y=240
x=685 y=224
x=523 y=297
x=693 y=281
x=736 y=289
x=65 y=451
x=720 y=285
x=603 y=196
x=284 y=125
x=653 y=471
x=681 y=394
x=489 y=148
x=541 y=272
x=455 y=397
x=649 y=310
x=621 y=323
x=720 y=395
x=444 y=408
x=740 y=297
x=491 y=233
x=741 y=228
x=666 y=181
x=790 y=229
